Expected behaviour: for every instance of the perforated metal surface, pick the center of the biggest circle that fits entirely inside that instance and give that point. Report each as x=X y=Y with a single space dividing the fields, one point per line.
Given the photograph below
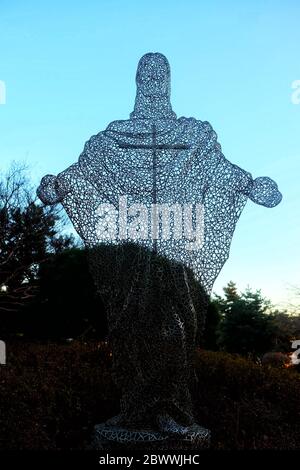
x=159 y=187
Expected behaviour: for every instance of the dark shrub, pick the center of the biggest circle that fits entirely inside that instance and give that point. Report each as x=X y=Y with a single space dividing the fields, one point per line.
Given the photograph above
x=51 y=396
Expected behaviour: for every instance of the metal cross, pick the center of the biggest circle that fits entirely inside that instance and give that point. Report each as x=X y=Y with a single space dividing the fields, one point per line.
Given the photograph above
x=155 y=147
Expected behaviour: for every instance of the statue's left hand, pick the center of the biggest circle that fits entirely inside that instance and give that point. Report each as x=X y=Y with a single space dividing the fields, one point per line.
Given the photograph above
x=265 y=192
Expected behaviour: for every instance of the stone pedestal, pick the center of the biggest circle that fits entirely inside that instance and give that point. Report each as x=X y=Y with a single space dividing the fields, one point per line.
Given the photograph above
x=116 y=438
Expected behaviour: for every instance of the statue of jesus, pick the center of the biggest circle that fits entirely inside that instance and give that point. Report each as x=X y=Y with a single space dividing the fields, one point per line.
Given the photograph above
x=155 y=189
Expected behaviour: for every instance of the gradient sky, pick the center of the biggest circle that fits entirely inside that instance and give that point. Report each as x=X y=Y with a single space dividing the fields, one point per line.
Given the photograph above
x=69 y=69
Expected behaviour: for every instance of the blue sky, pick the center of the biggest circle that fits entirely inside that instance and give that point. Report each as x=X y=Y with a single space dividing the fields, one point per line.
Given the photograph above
x=69 y=69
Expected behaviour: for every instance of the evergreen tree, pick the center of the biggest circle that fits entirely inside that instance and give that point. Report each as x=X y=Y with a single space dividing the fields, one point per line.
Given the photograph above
x=246 y=327
x=28 y=235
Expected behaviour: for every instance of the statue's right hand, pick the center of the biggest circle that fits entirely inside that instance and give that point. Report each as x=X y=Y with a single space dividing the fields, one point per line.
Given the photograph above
x=49 y=191
x=265 y=192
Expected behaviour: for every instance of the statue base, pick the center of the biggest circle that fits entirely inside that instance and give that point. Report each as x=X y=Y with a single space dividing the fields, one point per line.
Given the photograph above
x=115 y=438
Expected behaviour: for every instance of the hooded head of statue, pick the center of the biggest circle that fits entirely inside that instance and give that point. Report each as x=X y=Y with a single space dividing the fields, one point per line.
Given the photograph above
x=153 y=80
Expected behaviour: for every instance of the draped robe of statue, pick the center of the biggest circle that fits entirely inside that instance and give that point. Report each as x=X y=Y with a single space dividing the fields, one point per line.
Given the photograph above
x=156 y=160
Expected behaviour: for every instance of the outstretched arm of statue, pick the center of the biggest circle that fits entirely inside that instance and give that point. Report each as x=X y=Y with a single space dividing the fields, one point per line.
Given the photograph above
x=262 y=190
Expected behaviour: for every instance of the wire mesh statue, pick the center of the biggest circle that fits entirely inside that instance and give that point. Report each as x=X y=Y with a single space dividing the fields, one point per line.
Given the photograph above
x=156 y=201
